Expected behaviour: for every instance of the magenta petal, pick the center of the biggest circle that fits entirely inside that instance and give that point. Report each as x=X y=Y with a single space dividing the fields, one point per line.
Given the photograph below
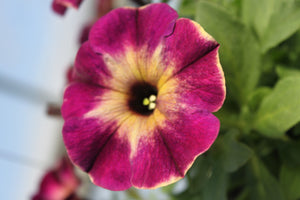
x=79 y=98
x=58 y=8
x=189 y=136
x=112 y=169
x=201 y=85
x=90 y=66
x=68 y=3
x=70 y=74
x=166 y=156
x=84 y=35
x=129 y=27
x=188 y=43
x=153 y=164
x=154 y=22
x=114 y=32
x=88 y=134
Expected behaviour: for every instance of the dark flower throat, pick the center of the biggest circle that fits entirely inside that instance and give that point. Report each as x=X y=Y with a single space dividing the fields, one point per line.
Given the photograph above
x=139 y=102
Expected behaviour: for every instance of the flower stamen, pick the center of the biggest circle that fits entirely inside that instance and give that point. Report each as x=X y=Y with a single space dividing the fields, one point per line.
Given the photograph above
x=150 y=102
x=152 y=106
x=142 y=98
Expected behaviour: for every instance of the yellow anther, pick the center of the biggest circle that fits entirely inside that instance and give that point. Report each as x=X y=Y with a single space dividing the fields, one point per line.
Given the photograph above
x=152 y=106
x=146 y=102
x=152 y=98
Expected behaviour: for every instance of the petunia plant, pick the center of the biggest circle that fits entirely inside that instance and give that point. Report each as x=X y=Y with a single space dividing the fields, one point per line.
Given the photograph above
x=139 y=110
x=143 y=105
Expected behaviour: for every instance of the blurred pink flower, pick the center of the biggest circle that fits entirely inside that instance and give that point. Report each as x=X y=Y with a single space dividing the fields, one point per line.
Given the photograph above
x=60 y=6
x=59 y=183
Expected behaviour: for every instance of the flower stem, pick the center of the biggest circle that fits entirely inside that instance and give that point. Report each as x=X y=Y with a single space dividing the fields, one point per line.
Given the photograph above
x=53 y=110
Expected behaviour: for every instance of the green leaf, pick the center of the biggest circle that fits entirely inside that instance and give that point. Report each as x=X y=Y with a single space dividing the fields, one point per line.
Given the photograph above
x=251 y=65
x=257 y=96
x=216 y=186
x=273 y=20
x=224 y=28
x=290 y=181
x=289 y=153
x=284 y=23
x=233 y=154
x=294 y=133
x=257 y=13
x=263 y=184
x=197 y=178
x=280 y=110
x=283 y=71
x=187 y=9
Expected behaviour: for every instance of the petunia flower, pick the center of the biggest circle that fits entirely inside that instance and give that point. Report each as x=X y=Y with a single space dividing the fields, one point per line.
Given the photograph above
x=70 y=74
x=139 y=111
x=59 y=183
x=60 y=6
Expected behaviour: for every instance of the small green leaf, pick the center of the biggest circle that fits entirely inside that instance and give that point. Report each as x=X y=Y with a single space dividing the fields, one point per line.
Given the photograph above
x=294 y=133
x=223 y=27
x=284 y=23
x=251 y=64
x=257 y=96
x=257 y=13
x=216 y=186
x=289 y=153
x=187 y=8
x=263 y=184
x=280 y=110
x=290 y=181
x=199 y=174
x=283 y=71
x=234 y=154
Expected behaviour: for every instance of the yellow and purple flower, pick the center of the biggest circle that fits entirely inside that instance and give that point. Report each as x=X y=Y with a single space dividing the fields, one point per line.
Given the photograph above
x=139 y=111
x=58 y=183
